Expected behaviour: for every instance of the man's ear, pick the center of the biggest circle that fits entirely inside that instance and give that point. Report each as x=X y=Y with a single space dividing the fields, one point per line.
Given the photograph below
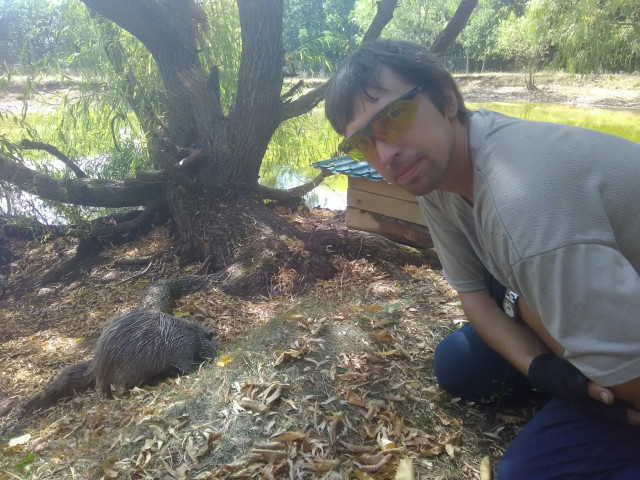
x=451 y=108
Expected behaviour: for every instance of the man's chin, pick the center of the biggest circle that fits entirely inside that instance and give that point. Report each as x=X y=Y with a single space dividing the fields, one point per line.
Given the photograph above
x=416 y=189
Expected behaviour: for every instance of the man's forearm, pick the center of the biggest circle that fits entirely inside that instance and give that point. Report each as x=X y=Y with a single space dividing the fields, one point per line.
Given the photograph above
x=516 y=342
x=519 y=344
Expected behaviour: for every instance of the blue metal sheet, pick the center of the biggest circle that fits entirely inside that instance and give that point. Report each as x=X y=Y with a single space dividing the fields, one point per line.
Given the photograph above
x=348 y=166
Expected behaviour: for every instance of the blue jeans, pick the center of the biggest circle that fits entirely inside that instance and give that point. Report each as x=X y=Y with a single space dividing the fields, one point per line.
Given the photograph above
x=561 y=442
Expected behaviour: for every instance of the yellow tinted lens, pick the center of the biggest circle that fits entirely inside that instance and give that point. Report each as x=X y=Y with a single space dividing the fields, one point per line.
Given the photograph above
x=394 y=119
x=360 y=147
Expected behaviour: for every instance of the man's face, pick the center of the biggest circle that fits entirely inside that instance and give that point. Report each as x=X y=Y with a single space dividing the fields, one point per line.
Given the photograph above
x=417 y=159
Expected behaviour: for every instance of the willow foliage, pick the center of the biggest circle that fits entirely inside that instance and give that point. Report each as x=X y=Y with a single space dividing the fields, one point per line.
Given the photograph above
x=591 y=36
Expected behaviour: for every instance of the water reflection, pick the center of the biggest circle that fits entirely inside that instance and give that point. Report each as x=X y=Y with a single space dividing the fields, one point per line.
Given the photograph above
x=623 y=123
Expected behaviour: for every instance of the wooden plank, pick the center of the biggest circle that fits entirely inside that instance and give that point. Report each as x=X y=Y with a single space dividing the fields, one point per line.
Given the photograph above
x=381 y=188
x=397 y=230
x=391 y=207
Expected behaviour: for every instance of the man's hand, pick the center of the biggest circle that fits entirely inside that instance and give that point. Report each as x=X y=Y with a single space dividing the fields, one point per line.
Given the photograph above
x=558 y=377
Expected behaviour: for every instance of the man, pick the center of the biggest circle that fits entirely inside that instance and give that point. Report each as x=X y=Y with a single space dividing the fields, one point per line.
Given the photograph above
x=549 y=211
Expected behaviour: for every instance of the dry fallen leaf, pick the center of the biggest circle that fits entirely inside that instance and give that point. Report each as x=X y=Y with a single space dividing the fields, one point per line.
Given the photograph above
x=405 y=470
x=485 y=468
x=107 y=467
x=271 y=456
x=254 y=405
x=387 y=353
x=211 y=437
x=357 y=448
x=354 y=398
x=381 y=335
x=386 y=444
x=451 y=449
x=223 y=360
x=21 y=440
x=325 y=465
x=374 y=468
x=286 y=355
x=291 y=436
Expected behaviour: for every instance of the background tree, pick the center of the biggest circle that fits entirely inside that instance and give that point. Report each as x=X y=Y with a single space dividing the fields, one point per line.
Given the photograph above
x=205 y=114
x=480 y=37
x=526 y=40
x=592 y=36
x=418 y=21
x=317 y=33
x=28 y=33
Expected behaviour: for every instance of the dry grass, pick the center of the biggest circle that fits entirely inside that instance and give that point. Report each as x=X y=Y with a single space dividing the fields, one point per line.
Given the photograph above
x=336 y=383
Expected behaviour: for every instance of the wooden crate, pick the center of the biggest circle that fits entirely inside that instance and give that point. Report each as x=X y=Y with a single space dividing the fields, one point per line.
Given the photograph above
x=387 y=210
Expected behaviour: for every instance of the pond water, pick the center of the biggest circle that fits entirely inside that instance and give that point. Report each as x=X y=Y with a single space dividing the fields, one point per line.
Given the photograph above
x=624 y=123
x=287 y=164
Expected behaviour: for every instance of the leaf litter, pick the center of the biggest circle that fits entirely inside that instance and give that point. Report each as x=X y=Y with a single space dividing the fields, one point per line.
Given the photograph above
x=333 y=383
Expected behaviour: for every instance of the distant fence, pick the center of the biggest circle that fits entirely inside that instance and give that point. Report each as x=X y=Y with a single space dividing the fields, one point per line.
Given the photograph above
x=462 y=64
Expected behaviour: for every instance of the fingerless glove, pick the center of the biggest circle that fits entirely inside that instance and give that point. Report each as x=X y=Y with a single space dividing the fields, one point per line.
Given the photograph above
x=558 y=377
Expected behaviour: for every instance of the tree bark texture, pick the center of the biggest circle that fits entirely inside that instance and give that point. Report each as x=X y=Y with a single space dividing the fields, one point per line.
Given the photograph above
x=384 y=14
x=255 y=116
x=81 y=191
x=457 y=23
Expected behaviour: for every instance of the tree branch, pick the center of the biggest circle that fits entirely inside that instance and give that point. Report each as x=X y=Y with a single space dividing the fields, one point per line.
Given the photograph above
x=95 y=242
x=457 y=23
x=293 y=90
x=383 y=16
x=309 y=100
x=171 y=171
x=87 y=192
x=166 y=29
x=303 y=104
x=254 y=118
x=29 y=145
x=151 y=176
x=296 y=192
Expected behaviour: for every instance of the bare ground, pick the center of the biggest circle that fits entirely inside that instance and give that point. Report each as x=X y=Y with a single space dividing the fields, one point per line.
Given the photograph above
x=608 y=91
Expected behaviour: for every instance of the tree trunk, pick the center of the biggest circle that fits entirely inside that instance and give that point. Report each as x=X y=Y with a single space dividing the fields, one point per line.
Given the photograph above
x=454 y=27
x=222 y=229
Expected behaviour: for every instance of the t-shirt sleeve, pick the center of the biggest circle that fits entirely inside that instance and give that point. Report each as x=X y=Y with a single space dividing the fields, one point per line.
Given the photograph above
x=461 y=266
x=588 y=297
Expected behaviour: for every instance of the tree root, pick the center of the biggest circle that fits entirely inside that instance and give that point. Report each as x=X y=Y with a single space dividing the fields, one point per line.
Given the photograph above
x=106 y=231
x=72 y=380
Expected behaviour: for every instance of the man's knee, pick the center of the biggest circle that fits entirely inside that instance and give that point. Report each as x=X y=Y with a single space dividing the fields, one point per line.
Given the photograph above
x=467 y=367
x=450 y=361
x=514 y=465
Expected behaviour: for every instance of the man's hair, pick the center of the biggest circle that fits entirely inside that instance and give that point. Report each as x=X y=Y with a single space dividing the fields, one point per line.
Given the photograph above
x=359 y=73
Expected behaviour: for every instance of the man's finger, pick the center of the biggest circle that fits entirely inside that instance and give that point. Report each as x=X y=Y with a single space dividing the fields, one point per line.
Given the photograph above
x=633 y=417
x=600 y=394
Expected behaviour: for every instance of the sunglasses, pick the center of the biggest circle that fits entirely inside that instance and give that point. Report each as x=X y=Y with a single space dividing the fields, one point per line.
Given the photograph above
x=387 y=125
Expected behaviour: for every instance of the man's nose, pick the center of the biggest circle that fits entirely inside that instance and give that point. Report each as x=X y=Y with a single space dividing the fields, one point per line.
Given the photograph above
x=387 y=151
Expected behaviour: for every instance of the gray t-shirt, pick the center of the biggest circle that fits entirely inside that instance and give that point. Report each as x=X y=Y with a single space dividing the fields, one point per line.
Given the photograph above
x=555 y=218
